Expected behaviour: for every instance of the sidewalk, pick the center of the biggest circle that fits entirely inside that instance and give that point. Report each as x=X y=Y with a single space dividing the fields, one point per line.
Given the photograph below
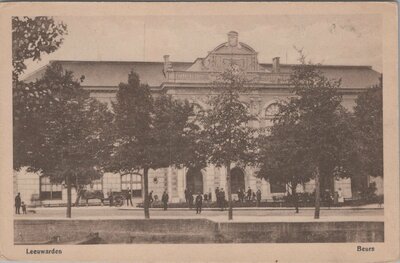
x=364 y=207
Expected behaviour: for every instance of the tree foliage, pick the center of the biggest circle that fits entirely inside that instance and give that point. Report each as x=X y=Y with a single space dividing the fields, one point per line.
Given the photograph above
x=368 y=114
x=151 y=133
x=33 y=36
x=323 y=129
x=282 y=158
x=70 y=129
x=226 y=125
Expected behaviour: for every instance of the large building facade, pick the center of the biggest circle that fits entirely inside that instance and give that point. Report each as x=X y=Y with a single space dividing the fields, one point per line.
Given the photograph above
x=191 y=81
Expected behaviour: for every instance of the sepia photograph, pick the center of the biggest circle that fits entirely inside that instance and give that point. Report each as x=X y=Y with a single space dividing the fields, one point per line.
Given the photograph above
x=198 y=129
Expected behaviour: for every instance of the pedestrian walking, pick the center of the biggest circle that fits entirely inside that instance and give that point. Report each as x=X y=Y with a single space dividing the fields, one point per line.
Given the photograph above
x=209 y=195
x=249 y=194
x=199 y=203
x=164 y=199
x=17 y=203
x=129 y=197
x=205 y=198
x=23 y=206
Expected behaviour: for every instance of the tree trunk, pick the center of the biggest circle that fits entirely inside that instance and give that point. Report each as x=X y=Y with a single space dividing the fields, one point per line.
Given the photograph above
x=69 y=196
x=229 y=190
x=295 y=199
x=317 y=193
x=146 y=193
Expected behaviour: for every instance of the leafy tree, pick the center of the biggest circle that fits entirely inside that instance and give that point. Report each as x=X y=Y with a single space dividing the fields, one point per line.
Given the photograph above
x=177 y=133
x=133 y=127
x=323 y=126
x=368 y=114
x=282 y=158
x=150 y=133
x=33 y=36
x=71 y=131
x=226 y=129
x=29 y=103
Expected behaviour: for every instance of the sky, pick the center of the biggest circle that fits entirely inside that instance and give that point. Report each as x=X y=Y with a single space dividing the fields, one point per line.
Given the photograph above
x=337 y=40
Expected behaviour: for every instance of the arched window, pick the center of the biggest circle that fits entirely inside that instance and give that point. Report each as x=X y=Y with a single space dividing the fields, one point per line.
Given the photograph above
x=237 y=180
x=194 y=180
x=132 y=181
x=271 y=111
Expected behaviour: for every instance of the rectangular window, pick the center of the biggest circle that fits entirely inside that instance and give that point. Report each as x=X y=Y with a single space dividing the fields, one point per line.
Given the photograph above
x=277 y=187
x=96 y=185
x=49 y=191
x=133 y=182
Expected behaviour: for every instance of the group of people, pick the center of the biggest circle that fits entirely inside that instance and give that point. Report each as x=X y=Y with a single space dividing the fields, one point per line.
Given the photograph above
x=221 y=200
x=198 y=201
x=249 y=195
x=335 y=199
x=19 y=204
x=164 y=198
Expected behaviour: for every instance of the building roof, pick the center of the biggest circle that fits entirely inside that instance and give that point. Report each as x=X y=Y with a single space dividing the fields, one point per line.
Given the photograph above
x=111 y=73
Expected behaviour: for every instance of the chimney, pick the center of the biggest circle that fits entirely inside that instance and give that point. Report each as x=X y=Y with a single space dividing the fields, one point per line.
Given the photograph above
x=275 y=65
x=167 y=64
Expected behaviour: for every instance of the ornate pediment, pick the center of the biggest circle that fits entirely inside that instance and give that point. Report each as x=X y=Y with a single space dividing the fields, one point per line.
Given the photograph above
x=228 y=53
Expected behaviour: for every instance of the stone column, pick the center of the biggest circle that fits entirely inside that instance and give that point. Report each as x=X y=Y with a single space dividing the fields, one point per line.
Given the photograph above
x=181 y=183
x=222 y=173
x=169 y=182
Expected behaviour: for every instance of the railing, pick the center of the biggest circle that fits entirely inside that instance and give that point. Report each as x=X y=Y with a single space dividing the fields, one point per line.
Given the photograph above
x=208 y=77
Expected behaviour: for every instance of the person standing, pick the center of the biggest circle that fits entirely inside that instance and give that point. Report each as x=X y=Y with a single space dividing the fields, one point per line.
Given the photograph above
x=129 y=197
x=239 y=194
x=164 y=199
x=191 y=199
x=17 y=203
x=23 y=206
x=151 y=200
x=222 y=199
x=186 y=196
x=249 y=194
x=328 y=198
x=340 y=197
x=258 y=197
x=111 y=197
x=199 y=203
x=217 y=196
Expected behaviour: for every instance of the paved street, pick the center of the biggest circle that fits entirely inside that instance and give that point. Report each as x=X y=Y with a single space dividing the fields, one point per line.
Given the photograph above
x=255 y=214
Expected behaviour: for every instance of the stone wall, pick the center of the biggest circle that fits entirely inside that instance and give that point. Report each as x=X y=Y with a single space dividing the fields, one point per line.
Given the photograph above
x=195 y=231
